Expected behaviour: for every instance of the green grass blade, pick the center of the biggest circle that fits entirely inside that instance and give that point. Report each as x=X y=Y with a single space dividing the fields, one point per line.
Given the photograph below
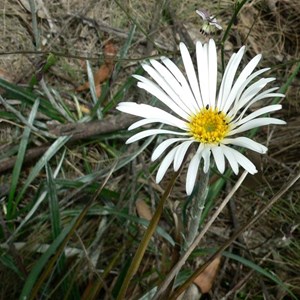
x=260 y=270
x=53 y=149
x=56 y=223
x=125 y=49
x=7 y=261
x=42 y=262
x=97 y=101
x=37 y=204
x=33 y=285
x=19 y=161
x=53 y=203
x=290 y=80
x=120 y=94
x=61 y=110
x=15 y=92
x=121 y=277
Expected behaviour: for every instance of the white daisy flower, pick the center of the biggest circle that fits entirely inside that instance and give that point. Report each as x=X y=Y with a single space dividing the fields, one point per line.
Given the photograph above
x=200 y=116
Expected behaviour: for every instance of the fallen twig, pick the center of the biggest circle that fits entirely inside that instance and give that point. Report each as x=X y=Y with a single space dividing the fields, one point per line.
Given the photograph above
x=77 y=131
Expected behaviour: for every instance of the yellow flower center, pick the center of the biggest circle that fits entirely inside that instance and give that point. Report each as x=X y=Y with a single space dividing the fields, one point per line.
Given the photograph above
x=209 y=126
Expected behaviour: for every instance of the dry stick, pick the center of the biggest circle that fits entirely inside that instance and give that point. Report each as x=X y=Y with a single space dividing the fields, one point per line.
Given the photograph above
x=183 y=259
x=86 y=130
x=277 y=196
x=146 y=238
x=78 y=131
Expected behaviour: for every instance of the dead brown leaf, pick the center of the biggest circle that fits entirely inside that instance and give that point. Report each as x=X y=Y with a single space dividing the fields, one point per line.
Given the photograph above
x=104 y=72
x=206 y=279
x=143 y=210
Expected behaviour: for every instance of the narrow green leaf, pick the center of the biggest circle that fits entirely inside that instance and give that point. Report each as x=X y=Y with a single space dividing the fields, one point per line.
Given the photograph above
x=19 y=161
x=37 y=203
x=42 y=261
x=119 y=95
x=7 y=261
x=53 y=203
x=121 y=277
x=15 y=92
x=96 y=101
x=261 y=271
x=53 y=149
x=124 y=51
x=38 y=282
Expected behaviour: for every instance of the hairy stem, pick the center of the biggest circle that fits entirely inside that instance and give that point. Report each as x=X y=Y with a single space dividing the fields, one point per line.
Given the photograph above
x=196 y=208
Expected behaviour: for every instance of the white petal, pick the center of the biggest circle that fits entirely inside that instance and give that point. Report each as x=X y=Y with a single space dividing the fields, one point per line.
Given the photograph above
x=243 y=86
x=263 y=95
x=244 y=161
x=189 y=97
x=202 y=66
x=219 y=158
x=258 y=113
x=177 y=93
x=256 y=123
x=241 y=79
x=190 y=72
x=160 y=149
x=143 y=122
x=246 y=143
x=156 y=91
x=180 y=154
x=150 y=132
x=193 y=170
x=257 y=86
x=201 y=14
x=212 y=72
x=151 y=112
x=231 y=158
x=253 y=90
x=173 y=101
x=165 y=164
x=228 y=77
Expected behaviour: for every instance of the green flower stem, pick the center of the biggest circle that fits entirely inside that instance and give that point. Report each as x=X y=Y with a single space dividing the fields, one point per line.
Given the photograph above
x=146 y=238
x=196 y=208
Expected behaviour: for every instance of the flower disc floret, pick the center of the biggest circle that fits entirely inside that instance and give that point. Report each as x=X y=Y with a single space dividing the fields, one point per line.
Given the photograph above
x=209 y=126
